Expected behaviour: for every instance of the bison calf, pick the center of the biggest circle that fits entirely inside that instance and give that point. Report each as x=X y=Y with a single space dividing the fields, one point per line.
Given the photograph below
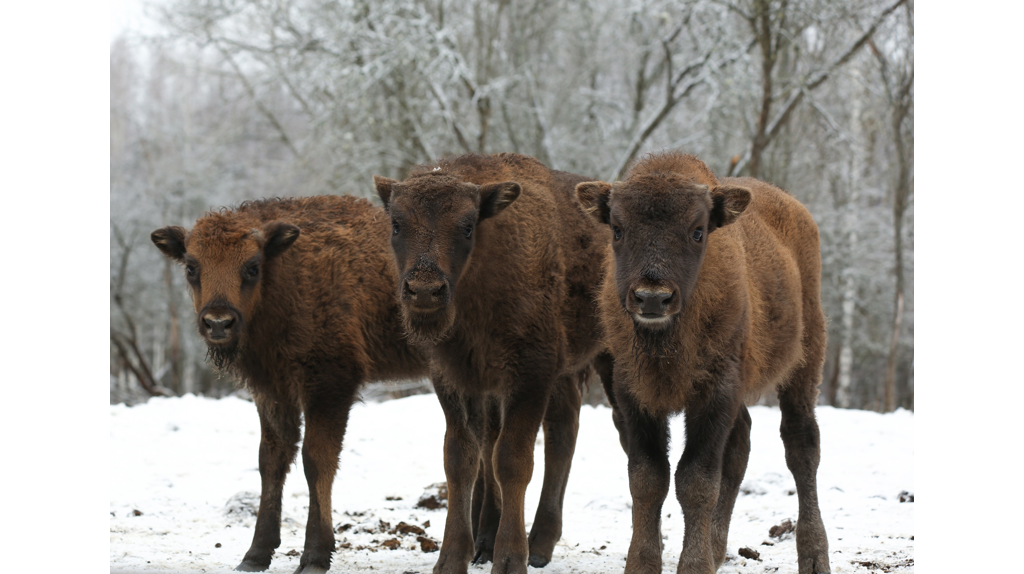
x=711 y=297
x=498 y=271
x=297 y=298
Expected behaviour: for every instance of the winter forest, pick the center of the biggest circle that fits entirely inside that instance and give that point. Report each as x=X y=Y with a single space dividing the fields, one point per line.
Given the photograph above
x=220 y=101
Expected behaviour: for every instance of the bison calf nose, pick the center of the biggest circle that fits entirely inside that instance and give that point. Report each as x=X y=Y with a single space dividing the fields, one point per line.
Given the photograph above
x=424 y=294
x=653 y=302
x=218 y=327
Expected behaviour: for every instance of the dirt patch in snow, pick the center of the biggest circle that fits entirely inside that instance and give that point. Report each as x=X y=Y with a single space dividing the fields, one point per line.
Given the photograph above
x=780 y=530
x=434 y=497
x=750 y=553
x=886 y=566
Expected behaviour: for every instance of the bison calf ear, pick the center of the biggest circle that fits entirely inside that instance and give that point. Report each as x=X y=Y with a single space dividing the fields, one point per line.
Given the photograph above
x=593 y=198
x=280 y=237
x=384 y=187
x=171 y=241
x=729 y=202
x=494 y=197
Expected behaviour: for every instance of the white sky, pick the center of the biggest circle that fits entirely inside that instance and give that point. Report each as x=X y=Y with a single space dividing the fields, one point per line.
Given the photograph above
x=127 y=15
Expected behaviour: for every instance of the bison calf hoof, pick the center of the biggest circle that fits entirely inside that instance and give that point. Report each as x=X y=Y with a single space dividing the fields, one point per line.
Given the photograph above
x=445 y=566
x=509 y=565
x=483 y=555
x=538 y=561
x=251 y=566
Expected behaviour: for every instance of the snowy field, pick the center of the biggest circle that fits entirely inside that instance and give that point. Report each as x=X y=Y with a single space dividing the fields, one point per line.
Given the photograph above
x=180 y=461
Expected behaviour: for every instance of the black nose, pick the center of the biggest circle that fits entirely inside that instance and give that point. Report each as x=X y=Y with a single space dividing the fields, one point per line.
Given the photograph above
x=425 y=294
x=652 y=302
x=218 y=327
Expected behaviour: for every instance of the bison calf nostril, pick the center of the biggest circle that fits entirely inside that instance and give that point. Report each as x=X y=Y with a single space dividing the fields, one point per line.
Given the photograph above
x=652 y=302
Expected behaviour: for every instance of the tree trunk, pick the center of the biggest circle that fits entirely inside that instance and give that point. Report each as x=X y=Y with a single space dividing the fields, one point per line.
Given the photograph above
x=763 y=32
x=174 y=336
x=899 y=207
x=844 y=396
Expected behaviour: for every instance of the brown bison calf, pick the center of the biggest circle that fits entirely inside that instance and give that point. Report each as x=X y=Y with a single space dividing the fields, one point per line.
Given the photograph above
x=711 y=298
x=498 y=273
x=297 y=298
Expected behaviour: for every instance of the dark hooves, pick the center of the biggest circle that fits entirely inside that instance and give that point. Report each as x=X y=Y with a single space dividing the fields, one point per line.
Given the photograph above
x=250 y=566
x=538 y=561
x=483 y=556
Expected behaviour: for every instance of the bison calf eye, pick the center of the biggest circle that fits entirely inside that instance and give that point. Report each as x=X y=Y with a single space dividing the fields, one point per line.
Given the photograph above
x=616 y=232
x=698 y=234
x=252 y=272
x=190 y=270
x=395 y=228
x=468 y=231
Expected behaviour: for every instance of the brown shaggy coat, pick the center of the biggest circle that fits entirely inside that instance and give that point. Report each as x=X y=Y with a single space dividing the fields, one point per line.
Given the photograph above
x=711 y=297
x=297 y=297
x=498 y=272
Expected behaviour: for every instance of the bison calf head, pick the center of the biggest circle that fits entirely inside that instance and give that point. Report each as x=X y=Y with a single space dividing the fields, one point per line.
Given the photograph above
x=434 y=219
x=224 y=267
x=661 y=225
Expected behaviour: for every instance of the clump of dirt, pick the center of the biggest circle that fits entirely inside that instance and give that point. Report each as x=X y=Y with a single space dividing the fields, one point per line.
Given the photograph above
x=405 y=528
x=366 y=525
x=137 y=512
x=884 y=566
x=434 y=496
x=427 y=545
x=392 y=498
x=750 y=553
x=906 y=496
x=293 y=552
x=778 y=531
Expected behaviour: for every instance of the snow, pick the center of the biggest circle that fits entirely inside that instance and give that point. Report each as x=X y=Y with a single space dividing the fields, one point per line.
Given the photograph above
x=179 y=461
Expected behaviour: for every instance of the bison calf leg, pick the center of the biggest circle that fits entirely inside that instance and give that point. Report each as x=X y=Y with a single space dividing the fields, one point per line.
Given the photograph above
x=699 y=478
x=326 y=419
x=279 y=437
x=478 y=500
x=649 y=476
x=802 y=440
x=734 y=466
x=488 y=514
x=513 y=468
x=462 y=443
x=604 y=365
x=561 y=424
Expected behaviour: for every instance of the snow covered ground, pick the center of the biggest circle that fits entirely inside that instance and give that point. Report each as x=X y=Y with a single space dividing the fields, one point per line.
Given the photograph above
x=179 y=462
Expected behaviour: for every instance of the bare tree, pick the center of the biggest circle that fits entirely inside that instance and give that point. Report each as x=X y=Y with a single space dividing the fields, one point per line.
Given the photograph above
x=248 y=99
x=897 y=73
x=768 y=24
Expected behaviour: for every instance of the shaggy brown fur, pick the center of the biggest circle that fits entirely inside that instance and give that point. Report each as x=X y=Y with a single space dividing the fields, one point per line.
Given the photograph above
x=499 y=270
x=297 y=297
x=710 y=298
